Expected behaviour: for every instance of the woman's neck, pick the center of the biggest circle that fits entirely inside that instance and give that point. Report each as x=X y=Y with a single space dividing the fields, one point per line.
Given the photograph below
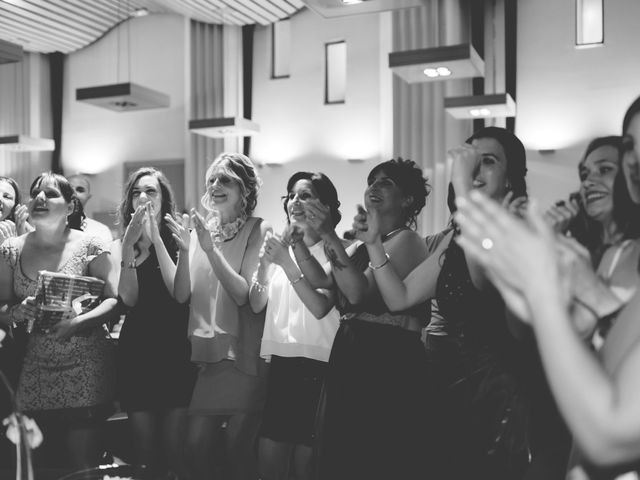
x=228 y=216
x=390 y=227
x=50 y=235
x=311 y=237
x=610 y=232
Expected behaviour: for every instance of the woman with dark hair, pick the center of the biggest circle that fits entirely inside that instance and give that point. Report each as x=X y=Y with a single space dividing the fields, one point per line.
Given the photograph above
x=155 y=374
x=214 y=274
x=601 y=213
x=373 y=422
x=495 y=417
x=597 y=395
x=66 y=382
x=300 y=325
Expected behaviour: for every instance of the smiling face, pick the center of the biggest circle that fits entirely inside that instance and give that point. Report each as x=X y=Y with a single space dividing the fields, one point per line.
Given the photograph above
x=147 y=190
x=597 y=175
x=47 y=204
x=7 y=199
x=631 y=158
x=384 y=194
x=301 y=192
x=224 y=191
x=490 y=176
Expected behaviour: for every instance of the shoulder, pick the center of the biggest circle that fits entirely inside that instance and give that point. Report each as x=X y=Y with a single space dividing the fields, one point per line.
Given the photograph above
x=93 y=227
x=259 y=228
x=92 y=244
x=409 y=240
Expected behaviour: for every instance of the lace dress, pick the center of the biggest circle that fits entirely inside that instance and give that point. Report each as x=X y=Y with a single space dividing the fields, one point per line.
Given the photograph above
x=78 y=373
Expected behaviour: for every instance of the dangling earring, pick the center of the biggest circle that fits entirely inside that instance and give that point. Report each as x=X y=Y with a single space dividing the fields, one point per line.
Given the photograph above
x=508 y=186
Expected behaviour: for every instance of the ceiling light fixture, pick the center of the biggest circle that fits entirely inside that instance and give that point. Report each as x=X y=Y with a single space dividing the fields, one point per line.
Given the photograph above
x=123 y=96
x=427 y=64
x=23 y=143
x=339 y=8
x=224 y=127
x=481 y=106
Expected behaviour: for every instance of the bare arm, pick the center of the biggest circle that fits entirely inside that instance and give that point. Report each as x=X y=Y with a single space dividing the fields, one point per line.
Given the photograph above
x=128 y=281
x=167 y=267
x=182 y=281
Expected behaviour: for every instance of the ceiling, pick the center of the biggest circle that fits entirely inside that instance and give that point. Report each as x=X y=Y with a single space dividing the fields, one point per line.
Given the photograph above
x=47 y=26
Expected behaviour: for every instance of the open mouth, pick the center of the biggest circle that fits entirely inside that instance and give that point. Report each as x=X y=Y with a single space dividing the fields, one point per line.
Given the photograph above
x=594 y=196
x=478 y=184
x=374 y=198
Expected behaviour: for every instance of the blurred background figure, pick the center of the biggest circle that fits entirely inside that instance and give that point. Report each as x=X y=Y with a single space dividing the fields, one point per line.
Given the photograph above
x=82 y=187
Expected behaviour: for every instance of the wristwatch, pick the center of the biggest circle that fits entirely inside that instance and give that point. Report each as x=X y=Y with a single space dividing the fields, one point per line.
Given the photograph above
x=131 y=264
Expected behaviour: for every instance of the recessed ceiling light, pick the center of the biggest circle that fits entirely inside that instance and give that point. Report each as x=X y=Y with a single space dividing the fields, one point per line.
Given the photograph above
x=481 y=106
x=443 y=71
x=431 y=72
x=140 y=12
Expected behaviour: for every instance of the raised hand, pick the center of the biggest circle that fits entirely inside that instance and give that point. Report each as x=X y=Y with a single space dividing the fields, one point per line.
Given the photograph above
x=276 y=250
x=21 y=215
x=262 y=255
x=179 y=231
x=7 y=230
x=293 y=234
x=152 y=222
x=516 y=206
x=516 y=254
x=464 y=159
x=366 y=225
x=134 y=229
x=204 y=235
x=559 y=215
x=318 y=216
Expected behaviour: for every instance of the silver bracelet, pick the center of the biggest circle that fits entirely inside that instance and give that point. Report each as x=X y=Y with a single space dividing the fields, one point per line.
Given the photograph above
x=377 y=267
x=296 y=280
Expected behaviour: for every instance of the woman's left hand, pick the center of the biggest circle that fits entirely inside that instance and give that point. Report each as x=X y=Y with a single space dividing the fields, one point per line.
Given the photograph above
x=318 y=216
x=204 y=235
x=134 y=229
x=366 y=225
x=34 y=435
x=65 y=328
x=276 y=250
x=22 y=220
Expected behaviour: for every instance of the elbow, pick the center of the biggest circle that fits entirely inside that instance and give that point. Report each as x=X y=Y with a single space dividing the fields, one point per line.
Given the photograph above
x=608 y=448
x=320 y=313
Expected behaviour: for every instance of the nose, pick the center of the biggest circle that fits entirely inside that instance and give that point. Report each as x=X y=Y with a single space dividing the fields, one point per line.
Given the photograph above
x=41 y=196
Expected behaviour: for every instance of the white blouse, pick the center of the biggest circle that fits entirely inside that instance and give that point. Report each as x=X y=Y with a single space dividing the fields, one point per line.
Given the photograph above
x=290 y=329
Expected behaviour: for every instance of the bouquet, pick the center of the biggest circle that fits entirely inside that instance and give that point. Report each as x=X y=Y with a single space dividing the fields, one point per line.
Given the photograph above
x=59 y=294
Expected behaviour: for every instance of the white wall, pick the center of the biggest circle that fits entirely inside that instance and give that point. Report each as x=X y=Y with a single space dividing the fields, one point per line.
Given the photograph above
x=96 y=140
x=300 y=132
x=567 y=96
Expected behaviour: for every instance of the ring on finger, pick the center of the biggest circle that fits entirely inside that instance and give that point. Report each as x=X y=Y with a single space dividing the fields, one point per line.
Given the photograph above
x=487 y=243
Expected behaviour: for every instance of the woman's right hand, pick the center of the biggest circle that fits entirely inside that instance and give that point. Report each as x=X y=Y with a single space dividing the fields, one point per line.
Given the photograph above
x=464 y=161
x=22 y=220
x=559 y=215
x=180 y=231
x=134 y=229
x=204 y=235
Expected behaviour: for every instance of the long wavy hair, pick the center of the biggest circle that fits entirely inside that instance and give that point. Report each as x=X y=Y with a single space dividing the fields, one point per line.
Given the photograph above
x=239 y=168
x=168 y=204
x=76 y=217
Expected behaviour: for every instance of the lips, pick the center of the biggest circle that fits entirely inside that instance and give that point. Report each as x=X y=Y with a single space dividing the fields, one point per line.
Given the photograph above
x=373 y=197
x=478 y=184
x=594 y=196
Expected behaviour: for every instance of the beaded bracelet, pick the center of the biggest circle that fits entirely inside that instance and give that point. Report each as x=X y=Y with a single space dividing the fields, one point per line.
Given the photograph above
x=260 y=287
x=296 y=280
x=377 y=267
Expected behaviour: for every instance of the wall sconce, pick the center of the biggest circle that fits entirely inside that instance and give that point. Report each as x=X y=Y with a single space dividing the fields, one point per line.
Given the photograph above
x=224 y=127
x=589 y=23
x=439 y=63
x=481 y=106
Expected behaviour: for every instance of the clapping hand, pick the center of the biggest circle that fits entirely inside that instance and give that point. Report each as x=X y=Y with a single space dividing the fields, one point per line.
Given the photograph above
x=21 y=215
x=7 y=230
x=276 y=250
x=560 y=214
x=465 y=160
x=134 y=229
x=204 y=235
x=366 y=225
x=318 y=216
x=34 y=435
x=180 y=231
x=152 y=222
x=515 y=206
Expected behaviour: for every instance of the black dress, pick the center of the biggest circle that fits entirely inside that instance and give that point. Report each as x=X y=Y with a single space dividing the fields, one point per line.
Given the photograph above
x=154 y=367
x=503 y=423
x=375 y=401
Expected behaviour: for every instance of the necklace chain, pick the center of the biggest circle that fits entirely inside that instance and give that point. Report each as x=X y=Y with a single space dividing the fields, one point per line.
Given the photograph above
x=387 y=236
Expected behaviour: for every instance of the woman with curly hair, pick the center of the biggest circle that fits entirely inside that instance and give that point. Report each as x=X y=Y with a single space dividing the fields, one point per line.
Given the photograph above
x=375 y=400
x=155 y=375
x=214 y=274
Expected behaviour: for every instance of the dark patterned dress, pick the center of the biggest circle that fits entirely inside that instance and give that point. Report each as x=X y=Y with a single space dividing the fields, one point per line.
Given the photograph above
x=74 y=377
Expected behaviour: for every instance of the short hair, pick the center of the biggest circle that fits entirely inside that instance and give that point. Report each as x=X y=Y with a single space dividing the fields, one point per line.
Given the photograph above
x=168 y=204
x=16 y=194
x=77 y=216
x=81 y=176
x=327 y=193
x=239 y=168
x=515 y=154
x=408 y=176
